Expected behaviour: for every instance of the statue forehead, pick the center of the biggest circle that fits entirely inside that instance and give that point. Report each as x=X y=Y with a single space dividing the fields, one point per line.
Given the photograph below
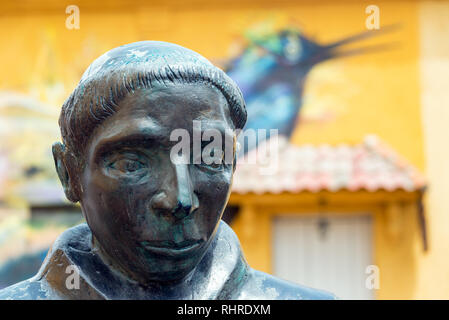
x=153 y=54
x=189 y=100
x=157 y=111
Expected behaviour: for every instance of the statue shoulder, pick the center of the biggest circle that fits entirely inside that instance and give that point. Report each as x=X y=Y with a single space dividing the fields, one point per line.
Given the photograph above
x=30 y=289
x=261 y=285
x=53 y=266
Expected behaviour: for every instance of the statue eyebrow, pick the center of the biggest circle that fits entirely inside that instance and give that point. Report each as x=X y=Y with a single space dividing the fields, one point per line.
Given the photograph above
x=144 y=140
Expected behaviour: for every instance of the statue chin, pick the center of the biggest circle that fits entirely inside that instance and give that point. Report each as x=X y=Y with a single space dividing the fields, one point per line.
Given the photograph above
x=168 y=277
x=174 y=271
x=170 y=267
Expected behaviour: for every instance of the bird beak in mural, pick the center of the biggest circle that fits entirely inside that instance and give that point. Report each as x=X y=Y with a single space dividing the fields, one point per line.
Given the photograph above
x=334 y=50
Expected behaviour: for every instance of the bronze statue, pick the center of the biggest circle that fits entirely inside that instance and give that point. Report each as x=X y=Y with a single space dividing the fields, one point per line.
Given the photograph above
x=154 y=228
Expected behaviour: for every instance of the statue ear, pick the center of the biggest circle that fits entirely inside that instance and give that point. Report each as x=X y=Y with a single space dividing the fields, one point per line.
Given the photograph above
x=65 y=164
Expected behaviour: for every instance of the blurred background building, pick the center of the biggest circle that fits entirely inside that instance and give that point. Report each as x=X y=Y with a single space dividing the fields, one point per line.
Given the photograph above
x=357 y=204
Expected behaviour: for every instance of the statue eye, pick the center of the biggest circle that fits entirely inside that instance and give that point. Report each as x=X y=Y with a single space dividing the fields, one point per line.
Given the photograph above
x=217 y=162
x=216 y=166
x=125 y=163
x=213 y=160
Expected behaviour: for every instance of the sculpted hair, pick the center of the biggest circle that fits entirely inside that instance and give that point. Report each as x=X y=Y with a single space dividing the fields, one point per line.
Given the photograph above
x=140 y=65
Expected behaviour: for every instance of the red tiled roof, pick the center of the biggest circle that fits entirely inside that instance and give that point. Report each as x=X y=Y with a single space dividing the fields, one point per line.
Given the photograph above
x=370 y=166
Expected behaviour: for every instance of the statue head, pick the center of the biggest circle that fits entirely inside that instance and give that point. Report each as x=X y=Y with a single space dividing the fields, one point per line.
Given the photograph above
x=152 y=217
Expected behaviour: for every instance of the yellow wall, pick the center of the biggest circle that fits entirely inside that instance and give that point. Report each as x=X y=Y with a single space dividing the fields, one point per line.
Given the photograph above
x=433 y=268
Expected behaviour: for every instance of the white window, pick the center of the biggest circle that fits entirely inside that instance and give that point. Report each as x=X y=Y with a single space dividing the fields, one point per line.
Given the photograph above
x=325 y=252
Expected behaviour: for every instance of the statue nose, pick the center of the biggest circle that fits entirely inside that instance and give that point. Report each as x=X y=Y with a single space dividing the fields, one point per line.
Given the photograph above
x=178 y=197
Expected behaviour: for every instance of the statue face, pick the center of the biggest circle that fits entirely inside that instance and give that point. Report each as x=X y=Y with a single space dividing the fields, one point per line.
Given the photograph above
x=155 y=219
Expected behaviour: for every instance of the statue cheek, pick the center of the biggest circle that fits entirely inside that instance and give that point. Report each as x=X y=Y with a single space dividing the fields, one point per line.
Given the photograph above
x=222 y=183
x=214 y=192
x=96 y=182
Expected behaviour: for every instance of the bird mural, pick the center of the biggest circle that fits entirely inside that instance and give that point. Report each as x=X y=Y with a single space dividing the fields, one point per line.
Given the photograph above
x=271 y=72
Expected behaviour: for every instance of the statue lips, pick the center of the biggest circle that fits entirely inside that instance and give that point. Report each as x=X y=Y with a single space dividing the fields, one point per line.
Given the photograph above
x=172 y=249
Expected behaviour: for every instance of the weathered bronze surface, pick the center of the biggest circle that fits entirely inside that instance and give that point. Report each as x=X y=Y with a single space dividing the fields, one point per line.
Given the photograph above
x=153 y=224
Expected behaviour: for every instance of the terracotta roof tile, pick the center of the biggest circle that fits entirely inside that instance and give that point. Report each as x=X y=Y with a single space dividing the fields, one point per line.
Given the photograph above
x=370 y=166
